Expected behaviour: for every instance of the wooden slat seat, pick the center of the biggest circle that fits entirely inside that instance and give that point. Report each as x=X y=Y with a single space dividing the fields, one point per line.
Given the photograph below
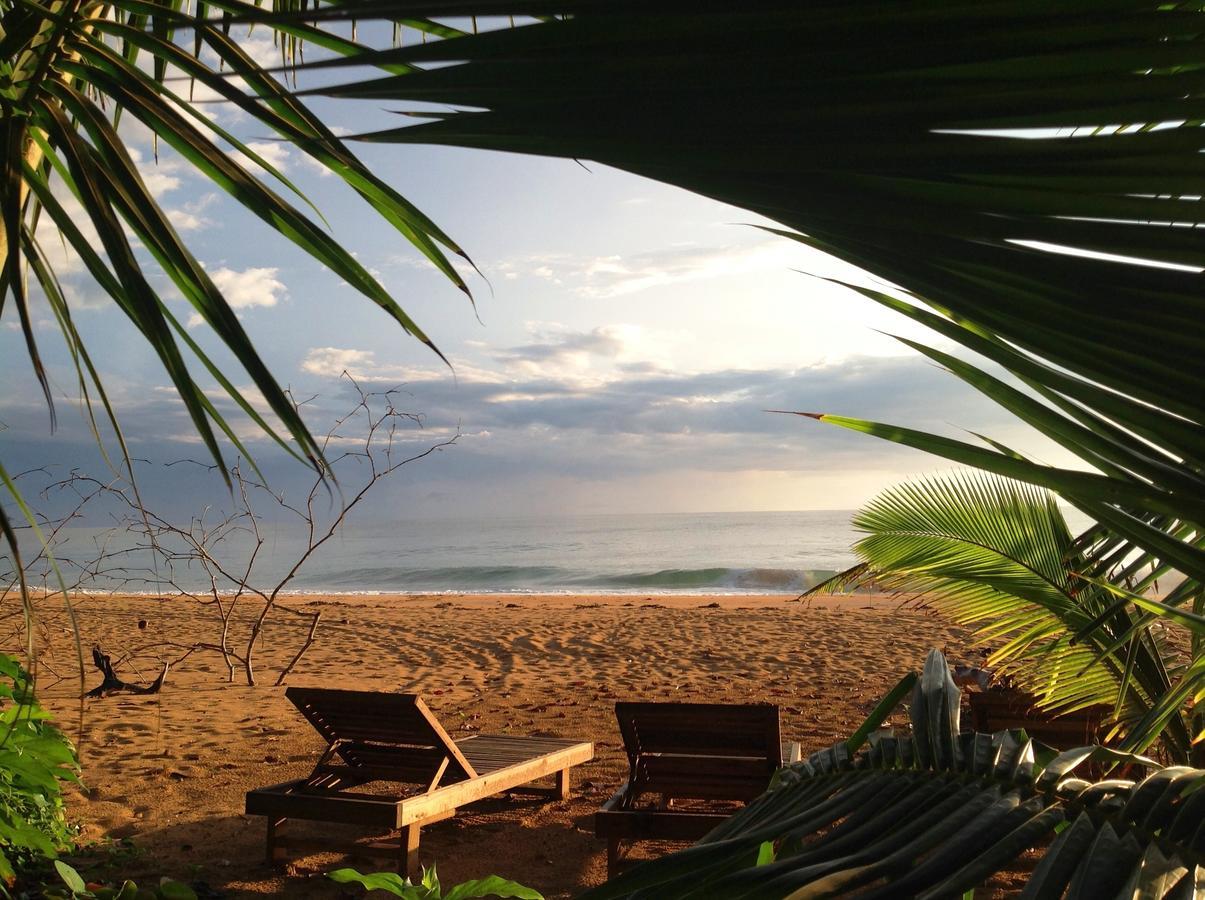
x=395 y=739
x=1009 y=709
x=687 y=751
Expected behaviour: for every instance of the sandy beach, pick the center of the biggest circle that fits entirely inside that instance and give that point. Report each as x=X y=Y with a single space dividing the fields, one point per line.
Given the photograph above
x=169 y=771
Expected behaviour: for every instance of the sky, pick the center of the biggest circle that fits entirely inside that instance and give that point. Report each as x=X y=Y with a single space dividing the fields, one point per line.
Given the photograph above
x=627 y=340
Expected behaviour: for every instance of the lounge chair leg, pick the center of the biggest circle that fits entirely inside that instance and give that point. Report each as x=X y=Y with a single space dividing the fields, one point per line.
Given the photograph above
x=408 y=863
x=612 y=857
x=273 y=824
x=562 y=784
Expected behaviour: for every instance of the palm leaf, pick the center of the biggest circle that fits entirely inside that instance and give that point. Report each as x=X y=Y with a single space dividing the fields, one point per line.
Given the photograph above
x=68 y=73
x=997 y=555
x=72 y=71
x=956 y=151
x=936 y=813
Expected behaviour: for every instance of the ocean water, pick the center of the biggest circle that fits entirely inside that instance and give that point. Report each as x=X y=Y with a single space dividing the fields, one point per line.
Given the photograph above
x=763 y=552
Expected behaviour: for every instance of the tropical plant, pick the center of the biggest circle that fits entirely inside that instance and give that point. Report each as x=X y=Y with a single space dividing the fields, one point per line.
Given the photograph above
x=949 y=148
x=75 y=888
x=35 y=760
x=1019 y=172
x=1023 y=176
x=997 y=554
x=429 y=888
x=71 y=71
x=936 y=813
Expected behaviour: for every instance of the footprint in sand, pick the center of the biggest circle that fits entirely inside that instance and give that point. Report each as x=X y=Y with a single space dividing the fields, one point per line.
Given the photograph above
x=134 y=727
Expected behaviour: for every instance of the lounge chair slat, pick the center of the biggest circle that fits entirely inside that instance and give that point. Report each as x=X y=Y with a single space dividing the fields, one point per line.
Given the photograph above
x=367 y=716
x=687 y=751
x=452 y=796
x=395 y=738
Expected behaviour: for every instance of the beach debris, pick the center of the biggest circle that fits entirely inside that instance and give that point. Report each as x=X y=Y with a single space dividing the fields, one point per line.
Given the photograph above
x=114 y=685
x=972 y=676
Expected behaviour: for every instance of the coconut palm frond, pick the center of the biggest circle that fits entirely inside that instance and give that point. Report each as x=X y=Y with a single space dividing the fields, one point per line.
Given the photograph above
x=936 y=813
x=71 y=73
x=1023 y=175
x=997 y=555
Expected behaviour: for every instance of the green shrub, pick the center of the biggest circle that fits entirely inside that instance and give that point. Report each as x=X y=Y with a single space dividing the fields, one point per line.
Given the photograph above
x=429 y=888
x=35 y=759
x=74 y=887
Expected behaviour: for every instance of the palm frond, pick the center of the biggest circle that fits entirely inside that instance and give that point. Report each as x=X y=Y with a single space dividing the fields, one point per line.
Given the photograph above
x=71 y=71
x=936 y=813
x=997 y=555
x=1026 y=174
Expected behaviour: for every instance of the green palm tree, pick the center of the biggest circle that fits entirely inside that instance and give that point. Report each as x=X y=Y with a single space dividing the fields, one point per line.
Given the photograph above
x=70 y=71
x=1023 y=176
x=999 y=165
x=997 y=554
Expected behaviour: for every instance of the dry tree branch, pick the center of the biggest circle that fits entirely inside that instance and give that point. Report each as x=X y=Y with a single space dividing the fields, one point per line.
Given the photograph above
x=216 y=557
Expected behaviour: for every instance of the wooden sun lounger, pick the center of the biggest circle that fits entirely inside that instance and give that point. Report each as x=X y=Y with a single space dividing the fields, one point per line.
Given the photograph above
x=688 y=751
x=395 y=738
x=993 y=711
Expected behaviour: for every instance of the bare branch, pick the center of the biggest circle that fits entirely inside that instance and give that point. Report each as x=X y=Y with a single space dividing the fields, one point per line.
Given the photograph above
x=217 y=558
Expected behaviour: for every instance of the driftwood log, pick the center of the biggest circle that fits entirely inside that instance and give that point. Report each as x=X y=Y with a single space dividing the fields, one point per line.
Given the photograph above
x=114 y=685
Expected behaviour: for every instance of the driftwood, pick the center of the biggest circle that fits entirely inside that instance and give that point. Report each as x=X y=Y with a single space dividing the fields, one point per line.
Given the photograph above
x=114 y=685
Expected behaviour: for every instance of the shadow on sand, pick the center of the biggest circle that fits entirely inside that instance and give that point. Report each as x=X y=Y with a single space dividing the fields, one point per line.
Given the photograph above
x=548 y=846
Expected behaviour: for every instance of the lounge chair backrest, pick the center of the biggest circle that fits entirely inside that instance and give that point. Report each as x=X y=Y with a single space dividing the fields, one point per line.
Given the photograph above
x=394 y=735
x=700 y=750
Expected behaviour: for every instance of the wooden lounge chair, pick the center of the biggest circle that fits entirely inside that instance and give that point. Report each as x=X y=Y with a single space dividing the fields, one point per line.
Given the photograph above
x=394 y=738
x=995 y=710
x=688 y=751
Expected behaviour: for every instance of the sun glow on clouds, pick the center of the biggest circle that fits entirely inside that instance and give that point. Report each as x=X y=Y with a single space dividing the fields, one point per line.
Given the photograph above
x=572 y=361
x=589 y=416
x=564 y=397
x=604 y=277
x=332 y=362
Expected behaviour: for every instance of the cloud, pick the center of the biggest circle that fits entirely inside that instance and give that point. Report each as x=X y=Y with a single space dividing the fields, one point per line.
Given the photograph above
x=257 y=286
x=590 y=419
x=161 y=176
x=262 y=47
x=604 y=277
x=274 y=153
x=160 y=172
x=189 y=217
x=308 y=162
x=592 y=403
x=582 y=359
x=332 y=362
x=59 y=255
x=245 y=289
